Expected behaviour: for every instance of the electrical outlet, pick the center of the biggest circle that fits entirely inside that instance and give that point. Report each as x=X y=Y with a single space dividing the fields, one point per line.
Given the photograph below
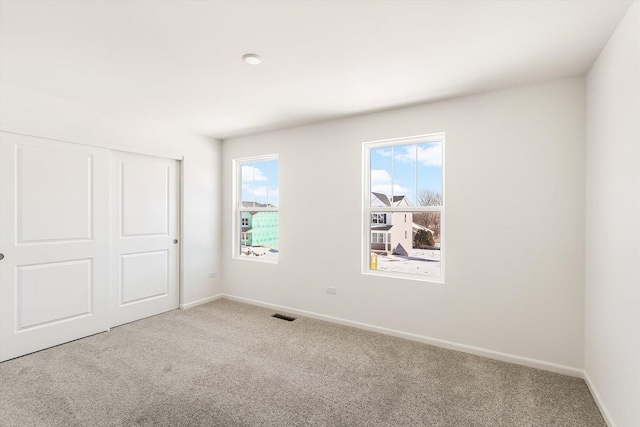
x=212 y=275
x=331 y=290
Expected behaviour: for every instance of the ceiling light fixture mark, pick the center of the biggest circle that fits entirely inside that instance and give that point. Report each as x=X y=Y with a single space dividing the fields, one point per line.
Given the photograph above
x=252 y=59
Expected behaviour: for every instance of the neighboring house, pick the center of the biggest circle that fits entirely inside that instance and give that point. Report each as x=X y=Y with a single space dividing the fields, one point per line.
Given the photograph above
x=391 y=232
x=382 y=200
x=259 y=228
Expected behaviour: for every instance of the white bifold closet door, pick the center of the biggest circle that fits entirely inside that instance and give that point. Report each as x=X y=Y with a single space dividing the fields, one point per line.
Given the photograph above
x=144 y=236
x=87 y=240
x=54 y=236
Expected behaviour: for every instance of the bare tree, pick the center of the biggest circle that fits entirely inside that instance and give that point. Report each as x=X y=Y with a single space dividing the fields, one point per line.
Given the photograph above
x=431 y=220
x=429 y=198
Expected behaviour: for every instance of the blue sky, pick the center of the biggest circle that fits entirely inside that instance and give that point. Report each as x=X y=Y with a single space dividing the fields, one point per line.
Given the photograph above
x=400 y=166
x=260 y=182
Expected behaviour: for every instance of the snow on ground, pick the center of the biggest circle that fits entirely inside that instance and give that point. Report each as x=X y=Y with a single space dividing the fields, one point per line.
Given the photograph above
x=259 y=252
x=422 y=261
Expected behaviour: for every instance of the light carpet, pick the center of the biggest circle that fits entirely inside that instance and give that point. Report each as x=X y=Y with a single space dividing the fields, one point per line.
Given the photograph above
x=231 y=364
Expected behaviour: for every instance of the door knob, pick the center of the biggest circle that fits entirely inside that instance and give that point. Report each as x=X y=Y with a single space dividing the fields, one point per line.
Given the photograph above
x=175 y=242
x=1 y=257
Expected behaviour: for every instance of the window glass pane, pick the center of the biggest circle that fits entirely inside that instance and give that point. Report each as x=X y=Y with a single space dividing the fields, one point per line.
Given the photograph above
x=407 y=247
x=260 y=183
x=258 y=234
x=380 y=176
x=429 y=165
x=404 y=175
x=273 y=192
x=247 y=174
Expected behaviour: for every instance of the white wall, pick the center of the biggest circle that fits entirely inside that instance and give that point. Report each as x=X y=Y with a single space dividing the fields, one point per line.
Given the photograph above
x=612 y=303
x=515 y=223
x=33 y=113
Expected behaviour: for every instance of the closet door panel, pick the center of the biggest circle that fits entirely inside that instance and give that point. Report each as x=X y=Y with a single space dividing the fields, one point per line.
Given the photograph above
x=54 y=225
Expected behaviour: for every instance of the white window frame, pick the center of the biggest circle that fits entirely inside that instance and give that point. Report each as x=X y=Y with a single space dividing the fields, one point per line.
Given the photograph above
x=238 y=208
x=384 y=235
x=380 y=218
x=367 y=209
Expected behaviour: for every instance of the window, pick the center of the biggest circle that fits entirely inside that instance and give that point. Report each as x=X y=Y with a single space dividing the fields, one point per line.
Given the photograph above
x=245 y=238
x=404 y=198
x=256 y=208
x=378 y=237
x=378 y=218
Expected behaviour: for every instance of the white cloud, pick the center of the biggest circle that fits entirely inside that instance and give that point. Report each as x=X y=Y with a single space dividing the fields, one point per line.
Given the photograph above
x=263 y=192
x=380 y=175
x=252 y=174
x=428 y=154
x=381 y=183
x=431 y=155
x=398 y=190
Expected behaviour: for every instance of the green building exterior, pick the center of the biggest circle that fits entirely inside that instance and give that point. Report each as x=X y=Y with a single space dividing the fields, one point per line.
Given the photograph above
x=260 y=229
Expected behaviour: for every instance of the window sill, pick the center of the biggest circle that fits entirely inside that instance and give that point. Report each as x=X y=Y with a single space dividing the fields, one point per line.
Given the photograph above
x=412 y=277
x=256 y=259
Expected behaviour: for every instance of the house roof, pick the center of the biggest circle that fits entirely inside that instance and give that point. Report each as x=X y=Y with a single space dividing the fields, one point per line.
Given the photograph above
x=421 y=227
x=390 y=201
x=383 y=198
x=256 y=205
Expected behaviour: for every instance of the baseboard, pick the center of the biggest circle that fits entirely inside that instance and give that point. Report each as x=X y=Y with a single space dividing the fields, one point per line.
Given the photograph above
x=200 y=301
x=478 y=351
x=596 y=396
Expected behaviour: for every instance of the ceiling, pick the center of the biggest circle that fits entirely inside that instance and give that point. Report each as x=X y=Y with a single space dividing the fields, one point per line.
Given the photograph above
x=179 y=62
